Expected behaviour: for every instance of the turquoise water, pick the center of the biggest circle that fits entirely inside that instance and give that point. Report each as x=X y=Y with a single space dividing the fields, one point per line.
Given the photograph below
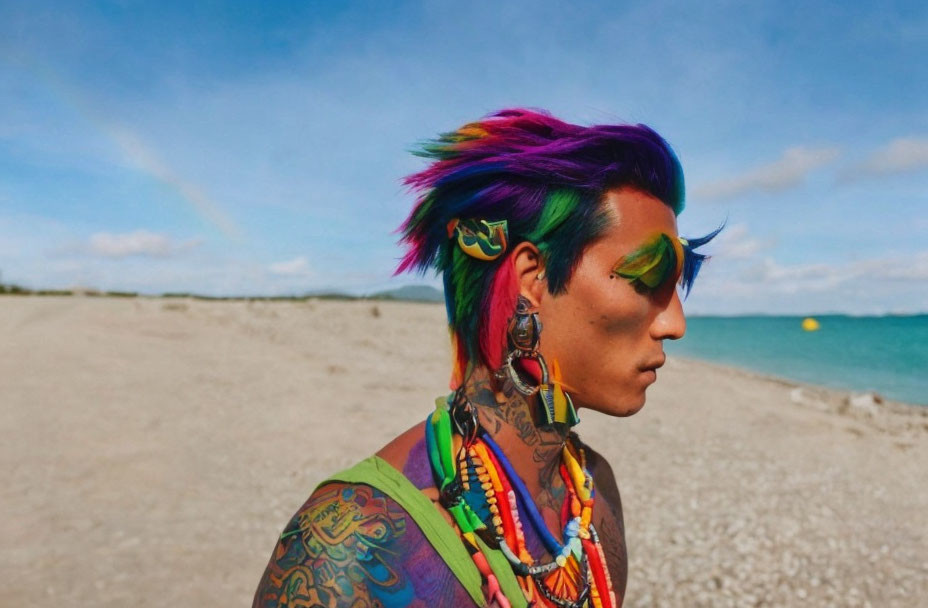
x=888 y=355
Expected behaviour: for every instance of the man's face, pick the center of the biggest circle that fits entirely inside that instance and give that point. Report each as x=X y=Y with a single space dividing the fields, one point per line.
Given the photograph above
x=606 y=333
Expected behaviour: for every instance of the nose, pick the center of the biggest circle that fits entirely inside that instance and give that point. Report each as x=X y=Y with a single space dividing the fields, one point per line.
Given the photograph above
x=670 y=322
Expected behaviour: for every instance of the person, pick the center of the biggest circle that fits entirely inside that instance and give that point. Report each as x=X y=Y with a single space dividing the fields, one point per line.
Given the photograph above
x=561 y=262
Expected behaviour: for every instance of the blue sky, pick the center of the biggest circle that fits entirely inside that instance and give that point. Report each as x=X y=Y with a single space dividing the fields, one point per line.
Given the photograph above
x=257 y=148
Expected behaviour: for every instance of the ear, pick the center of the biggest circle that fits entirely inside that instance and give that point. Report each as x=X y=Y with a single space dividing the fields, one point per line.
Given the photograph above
x=528 y=264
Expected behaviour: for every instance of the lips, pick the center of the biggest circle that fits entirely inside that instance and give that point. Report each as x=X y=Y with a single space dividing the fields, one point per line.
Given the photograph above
x=653 y=364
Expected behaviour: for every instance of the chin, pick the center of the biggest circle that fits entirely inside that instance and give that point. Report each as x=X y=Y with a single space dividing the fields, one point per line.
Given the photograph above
x=634 y=409
x=628 y=405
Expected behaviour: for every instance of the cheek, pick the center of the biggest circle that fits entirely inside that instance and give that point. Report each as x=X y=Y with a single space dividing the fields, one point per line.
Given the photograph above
x=593 y=332
x=606 y=373
x=617 y=311
x=624 y=316
x=621 y=327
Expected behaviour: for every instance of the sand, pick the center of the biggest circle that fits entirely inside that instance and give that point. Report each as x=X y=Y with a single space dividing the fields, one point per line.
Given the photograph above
x=153 y=449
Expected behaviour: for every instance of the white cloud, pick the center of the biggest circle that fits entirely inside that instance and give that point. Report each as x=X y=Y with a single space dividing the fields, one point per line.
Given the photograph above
x=298 y=266
x=737 y=243
x=889 y=284
x=913 y=268
x=136 y=243
x=786 y=172
x=770 y=276
x=791 y=278
x=901 y=155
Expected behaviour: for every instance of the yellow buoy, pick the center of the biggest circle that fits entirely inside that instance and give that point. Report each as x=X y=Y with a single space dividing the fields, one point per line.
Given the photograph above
x=810 y=324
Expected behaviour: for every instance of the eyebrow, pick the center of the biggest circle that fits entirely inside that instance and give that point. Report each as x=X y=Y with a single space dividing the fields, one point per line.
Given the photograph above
x=653 y=263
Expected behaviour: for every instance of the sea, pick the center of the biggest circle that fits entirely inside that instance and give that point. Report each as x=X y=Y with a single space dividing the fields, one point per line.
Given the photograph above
x=887 y=355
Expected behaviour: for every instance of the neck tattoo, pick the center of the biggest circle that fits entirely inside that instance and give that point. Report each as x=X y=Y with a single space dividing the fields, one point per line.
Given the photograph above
x=490 y=503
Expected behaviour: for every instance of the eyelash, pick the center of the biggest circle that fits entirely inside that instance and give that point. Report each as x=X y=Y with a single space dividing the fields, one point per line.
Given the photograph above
x=643 y=289
x=640 y=287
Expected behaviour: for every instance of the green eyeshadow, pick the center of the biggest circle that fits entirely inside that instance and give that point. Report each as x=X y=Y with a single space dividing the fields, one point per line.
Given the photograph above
x=653 y=264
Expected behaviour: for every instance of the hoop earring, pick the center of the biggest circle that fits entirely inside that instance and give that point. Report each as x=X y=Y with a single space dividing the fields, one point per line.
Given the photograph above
x=524 y=336
x=517 y=381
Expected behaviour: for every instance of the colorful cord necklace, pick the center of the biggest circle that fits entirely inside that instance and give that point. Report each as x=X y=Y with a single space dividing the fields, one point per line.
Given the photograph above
x=485 y=496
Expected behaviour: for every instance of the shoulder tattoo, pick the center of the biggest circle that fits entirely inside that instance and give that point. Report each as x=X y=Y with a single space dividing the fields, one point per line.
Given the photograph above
x=336 y=552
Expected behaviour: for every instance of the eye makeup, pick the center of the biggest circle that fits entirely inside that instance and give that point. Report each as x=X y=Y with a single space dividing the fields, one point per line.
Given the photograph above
x=658 y=261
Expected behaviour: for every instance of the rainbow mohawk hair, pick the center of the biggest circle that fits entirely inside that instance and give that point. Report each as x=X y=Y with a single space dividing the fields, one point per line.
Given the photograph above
x=545 y=178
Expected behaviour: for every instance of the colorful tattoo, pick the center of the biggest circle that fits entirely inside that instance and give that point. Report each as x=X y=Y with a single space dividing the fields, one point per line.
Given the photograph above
x=338 y=551
x=354 y=546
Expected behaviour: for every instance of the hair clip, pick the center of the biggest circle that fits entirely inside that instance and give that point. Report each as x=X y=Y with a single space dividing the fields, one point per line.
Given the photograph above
x=480 y=239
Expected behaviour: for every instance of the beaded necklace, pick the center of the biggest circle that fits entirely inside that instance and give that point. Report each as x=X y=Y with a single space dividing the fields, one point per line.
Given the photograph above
x=485 y=496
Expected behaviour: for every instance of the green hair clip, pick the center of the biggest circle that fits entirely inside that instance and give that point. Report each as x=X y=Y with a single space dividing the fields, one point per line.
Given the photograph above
x=480 y=239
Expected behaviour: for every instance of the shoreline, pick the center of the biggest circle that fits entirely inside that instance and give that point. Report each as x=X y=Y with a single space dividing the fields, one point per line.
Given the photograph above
x=868 y=406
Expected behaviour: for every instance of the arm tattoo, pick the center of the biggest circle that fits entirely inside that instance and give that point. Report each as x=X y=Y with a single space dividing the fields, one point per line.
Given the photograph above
x=338 y=552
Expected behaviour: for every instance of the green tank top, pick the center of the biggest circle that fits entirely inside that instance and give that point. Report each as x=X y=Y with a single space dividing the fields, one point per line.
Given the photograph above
x=381 y=475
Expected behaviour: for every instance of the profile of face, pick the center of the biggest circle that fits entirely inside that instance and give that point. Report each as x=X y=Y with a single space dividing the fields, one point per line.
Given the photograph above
x=606 y=332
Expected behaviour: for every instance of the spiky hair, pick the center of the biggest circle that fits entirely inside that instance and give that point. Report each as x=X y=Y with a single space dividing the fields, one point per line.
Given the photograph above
x=546 y=178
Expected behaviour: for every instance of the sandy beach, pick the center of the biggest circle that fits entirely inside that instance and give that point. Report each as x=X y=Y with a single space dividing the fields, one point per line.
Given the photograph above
x=154 y=448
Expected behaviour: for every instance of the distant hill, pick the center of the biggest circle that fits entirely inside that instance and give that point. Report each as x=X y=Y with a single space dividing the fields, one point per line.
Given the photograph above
x=407 y=293
x=414 y=293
